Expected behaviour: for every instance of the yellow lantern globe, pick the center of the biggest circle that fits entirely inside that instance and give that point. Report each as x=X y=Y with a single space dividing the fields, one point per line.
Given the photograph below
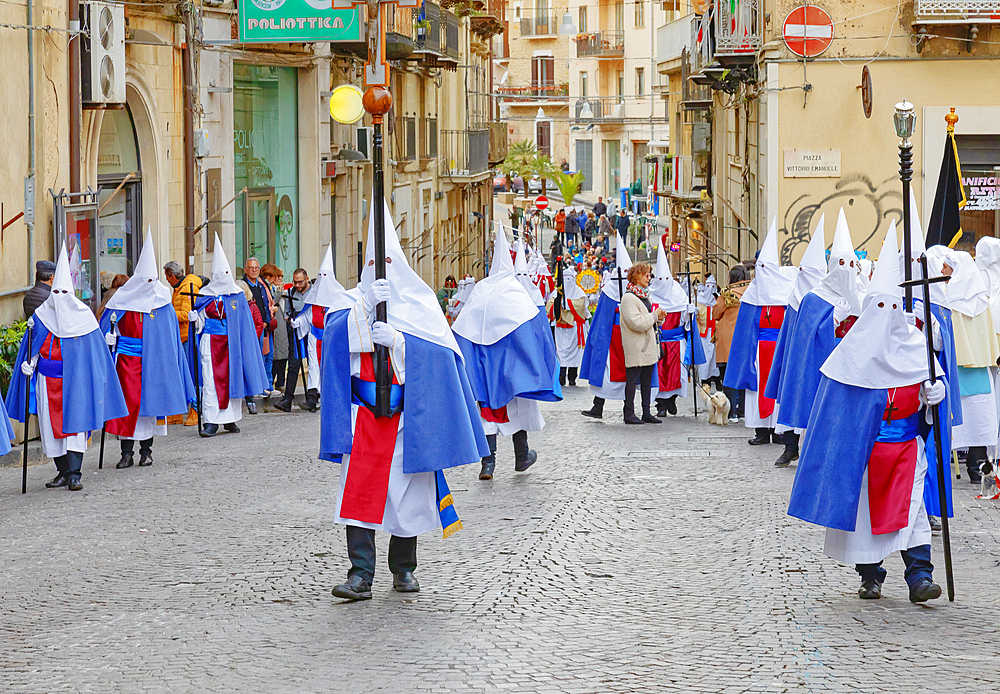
x=345 y=104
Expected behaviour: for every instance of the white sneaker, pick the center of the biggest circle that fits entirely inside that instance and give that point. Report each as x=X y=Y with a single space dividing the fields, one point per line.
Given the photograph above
x=734 y=419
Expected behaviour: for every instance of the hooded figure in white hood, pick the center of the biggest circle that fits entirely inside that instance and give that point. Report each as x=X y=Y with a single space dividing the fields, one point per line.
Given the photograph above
x=232 y=366
x=457 y=302
x=866 y=486
x=708 y=292
x=391 y=476
x=677 y=341
x=509 y=356
x=755 y=336
x=140 y=326
x=65 y=364
x=325 y=296
x=567 y=309
x=976 y=353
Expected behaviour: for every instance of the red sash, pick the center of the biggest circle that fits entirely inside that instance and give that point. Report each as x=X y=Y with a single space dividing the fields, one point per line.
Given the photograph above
x=617 y=353
x=770 y=317
x=52 y=349
x=318 y=318
x=497 y=416
x=891 y=467
x=367 y=485
x=669 y=369
x=581 y=339
x=220 y=355
x=129 y=370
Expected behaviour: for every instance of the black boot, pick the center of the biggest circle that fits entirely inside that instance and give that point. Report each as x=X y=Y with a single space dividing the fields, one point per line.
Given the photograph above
x=284 y=405
x=209 y=430
x=231 y=428
x=312 y=400
x=762 y=436
x=977 y=464
x=128 y=447
x=597 y=411
x=571 y=375
x=490 y=461
x=791 y=452
x=562 y=375
x=74 y=463
x=524 y=457
x=669 y=405
x=146 y=452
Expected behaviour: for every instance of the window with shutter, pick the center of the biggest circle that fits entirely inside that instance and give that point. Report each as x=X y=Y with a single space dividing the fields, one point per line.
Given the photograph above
x=543 y=137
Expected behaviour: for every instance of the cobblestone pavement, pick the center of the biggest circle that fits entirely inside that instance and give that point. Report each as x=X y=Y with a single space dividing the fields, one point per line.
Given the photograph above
x=628 y=559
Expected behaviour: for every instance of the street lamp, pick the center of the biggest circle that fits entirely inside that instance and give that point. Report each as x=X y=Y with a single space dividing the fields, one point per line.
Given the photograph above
x=567 y=28
x=904 y=120
x=586 y=111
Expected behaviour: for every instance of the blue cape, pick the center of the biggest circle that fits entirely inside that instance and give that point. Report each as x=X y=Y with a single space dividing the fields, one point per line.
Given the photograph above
x=595 y=352
x=91 y=392
x=808 y=341
x=6 y=430
x=166 y=376
x=950 y=414
x=741 y=369
x=442 y=428
x=522 y=364
x=695 y=347
x=246 y=361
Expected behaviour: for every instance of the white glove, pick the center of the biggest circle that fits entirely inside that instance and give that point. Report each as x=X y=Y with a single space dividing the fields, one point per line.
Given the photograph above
x=376 y=294
x=111 y=339
x=383 y=334
x=692 y=309
x=297 y=322
x=911 y=319
x=193 y=316
x=27 y=368
x=934 y=392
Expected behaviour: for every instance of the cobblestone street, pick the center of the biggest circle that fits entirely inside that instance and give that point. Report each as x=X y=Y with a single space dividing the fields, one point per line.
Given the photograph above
x=628 y=559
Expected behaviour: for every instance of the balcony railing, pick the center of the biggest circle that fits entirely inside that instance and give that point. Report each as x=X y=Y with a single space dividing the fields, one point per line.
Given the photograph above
x=451 y=34
x=554 y=92
x=466 y=152
x=958 y=11
x=601 y=44
x=539 y=25
x=428 y=38
x=702 y=50
x=671 y=38
x=602 y=108
x=737 y=29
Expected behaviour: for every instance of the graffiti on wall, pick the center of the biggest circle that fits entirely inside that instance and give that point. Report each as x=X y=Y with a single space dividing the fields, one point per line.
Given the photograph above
x=866 y=204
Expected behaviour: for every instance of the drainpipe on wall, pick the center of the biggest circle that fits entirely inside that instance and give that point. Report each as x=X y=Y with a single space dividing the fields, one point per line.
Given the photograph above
x=190 y=170
x=75 y=102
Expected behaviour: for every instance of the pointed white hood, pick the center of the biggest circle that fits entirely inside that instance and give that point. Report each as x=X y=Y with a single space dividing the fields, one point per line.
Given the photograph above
x=812 y=267
x=326 y=291
x=622 y=264
x=966 y=290
x=571 y=290
x=988 y=262
x=772 y=284
x=62 y=313
x=497 y=305
x=664 y=290
x=706 y=291
x=222 y=283
x=881 y=350
x=524 y=277
x=842 y=285
x=144 y=291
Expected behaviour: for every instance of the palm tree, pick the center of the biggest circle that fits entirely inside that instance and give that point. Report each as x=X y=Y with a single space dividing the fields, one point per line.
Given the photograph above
x=542 y=166
x=569 y=185
x=518 y=161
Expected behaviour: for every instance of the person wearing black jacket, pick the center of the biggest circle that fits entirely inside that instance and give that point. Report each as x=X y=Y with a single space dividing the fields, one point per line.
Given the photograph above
x=261 y=297
x=294 y=304
x=622 y=223
x=600 y=208
x=36 y=296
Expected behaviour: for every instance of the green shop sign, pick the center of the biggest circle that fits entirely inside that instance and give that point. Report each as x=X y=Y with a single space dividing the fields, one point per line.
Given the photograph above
x=294 y=21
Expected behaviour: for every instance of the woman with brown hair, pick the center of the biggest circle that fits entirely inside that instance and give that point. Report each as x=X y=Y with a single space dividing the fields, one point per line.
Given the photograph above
x=640 y=341
x=724 y=312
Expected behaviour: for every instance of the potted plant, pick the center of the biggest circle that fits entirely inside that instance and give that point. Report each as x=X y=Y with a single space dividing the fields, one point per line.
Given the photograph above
x=422 y=26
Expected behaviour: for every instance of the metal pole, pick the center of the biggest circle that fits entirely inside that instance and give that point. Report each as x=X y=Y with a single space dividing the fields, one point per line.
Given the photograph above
x=195 y=357
x=694 y=323
x=27 y=403
x=377 y=101
x=906 y=174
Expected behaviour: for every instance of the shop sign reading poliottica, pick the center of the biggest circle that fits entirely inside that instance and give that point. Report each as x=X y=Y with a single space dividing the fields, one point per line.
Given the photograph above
x=812 y=163
x=294 y=21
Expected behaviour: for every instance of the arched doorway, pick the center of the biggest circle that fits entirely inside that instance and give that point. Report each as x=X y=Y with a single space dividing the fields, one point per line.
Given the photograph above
x=119 y=180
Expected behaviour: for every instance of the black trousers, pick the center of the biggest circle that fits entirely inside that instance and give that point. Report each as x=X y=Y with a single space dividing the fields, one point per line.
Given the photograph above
x=71 y=464
x=571 y=371
x=145 y=446
x=361 y=550
x=643 y=377
x=278 y=373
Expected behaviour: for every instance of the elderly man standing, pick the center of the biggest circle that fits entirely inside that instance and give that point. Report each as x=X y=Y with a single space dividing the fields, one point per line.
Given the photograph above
x=36 y=296
x=265 y=304
x=184 y=286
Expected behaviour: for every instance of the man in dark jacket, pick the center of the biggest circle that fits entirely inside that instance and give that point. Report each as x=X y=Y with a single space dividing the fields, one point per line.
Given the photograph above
x=622 y=222
x=261 y=297
x=600 y=208
x=36 y=296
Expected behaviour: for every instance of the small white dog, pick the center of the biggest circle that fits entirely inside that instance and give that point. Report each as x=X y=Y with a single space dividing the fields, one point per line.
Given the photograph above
x=718 y=406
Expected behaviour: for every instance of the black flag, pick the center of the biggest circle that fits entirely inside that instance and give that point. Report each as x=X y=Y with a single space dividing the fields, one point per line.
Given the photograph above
x=945 y=227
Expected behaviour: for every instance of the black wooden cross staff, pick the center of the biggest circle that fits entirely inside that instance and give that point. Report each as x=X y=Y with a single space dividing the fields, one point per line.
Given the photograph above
x=692 y=369
x=195 y=355
x=27 y=408
x=104 y=429
x=926 y=282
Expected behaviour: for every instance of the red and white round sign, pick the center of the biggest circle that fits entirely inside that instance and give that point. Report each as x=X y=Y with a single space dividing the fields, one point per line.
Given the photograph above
x=807 y=31
x=541 y=202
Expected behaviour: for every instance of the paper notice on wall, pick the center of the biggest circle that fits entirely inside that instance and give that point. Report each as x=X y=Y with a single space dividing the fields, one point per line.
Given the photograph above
x=812 y=163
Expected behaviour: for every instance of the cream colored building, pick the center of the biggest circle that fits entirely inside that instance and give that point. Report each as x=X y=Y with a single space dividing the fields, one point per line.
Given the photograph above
x=267 y=170
x=740 y=161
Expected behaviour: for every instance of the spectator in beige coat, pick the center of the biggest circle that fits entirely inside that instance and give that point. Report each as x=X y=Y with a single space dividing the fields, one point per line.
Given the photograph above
x=640 y=341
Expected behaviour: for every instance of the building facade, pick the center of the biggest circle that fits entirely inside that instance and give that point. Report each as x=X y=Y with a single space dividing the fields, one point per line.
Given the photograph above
x=209 y=135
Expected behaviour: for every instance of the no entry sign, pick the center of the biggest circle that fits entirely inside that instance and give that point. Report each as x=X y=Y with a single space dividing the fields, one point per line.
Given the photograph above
x=807 y=31
x=541 y=202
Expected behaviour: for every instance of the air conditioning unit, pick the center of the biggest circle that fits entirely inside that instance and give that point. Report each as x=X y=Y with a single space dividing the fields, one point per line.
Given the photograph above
x=365 y=142
x=102 y=54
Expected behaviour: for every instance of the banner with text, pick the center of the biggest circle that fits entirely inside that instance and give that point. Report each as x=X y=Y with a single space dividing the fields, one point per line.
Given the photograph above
x=295 y=21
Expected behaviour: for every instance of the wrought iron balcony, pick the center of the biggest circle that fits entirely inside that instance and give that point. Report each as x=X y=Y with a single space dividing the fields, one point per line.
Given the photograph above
x=601 y=109
x=551 y=91
x=738 y=34
x=601 y=44
x=466 y=152
x=957 y=11
x=540 y=25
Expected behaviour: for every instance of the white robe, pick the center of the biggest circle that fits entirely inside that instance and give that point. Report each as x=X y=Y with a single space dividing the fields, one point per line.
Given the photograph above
x=524 y=415
x=312 y=353
x=51 y=446
x=567 y=347
x=411 y=502
x=979 y=419
x=751 y=408
x=210 y=411
x=861 y=547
